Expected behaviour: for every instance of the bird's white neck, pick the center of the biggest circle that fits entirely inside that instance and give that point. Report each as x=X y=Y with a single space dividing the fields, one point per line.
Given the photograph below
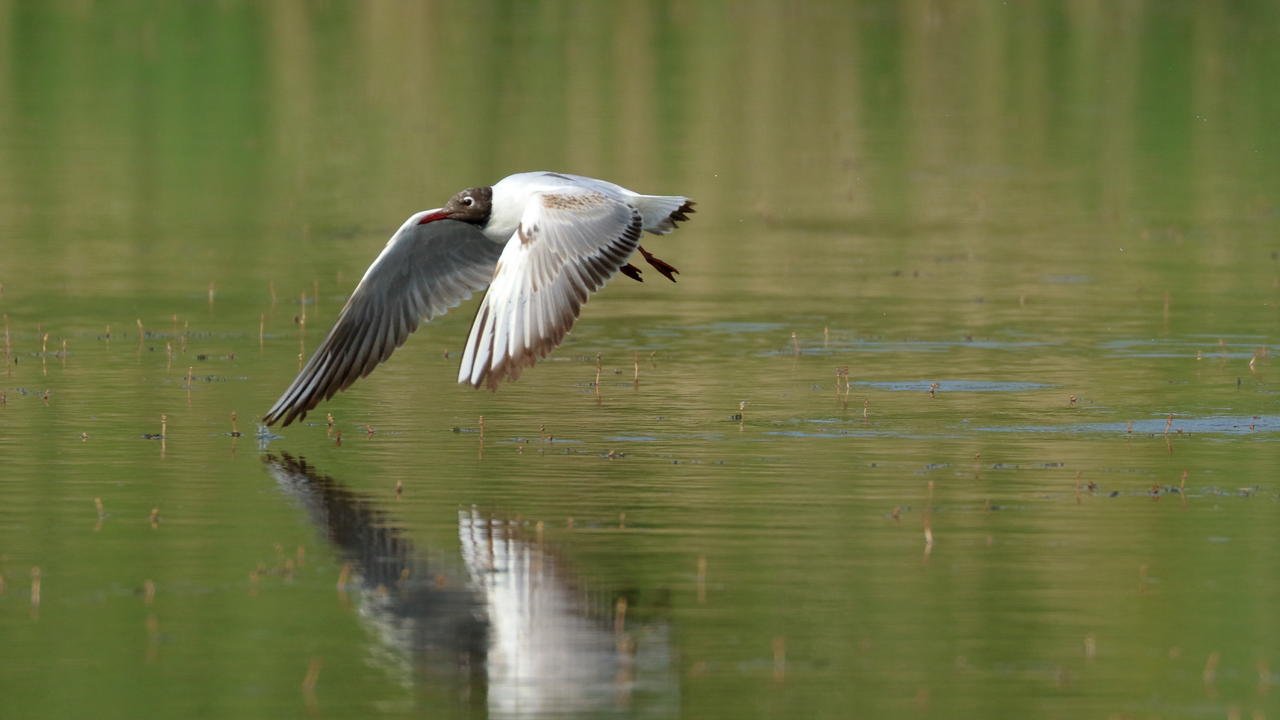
x=510 y=197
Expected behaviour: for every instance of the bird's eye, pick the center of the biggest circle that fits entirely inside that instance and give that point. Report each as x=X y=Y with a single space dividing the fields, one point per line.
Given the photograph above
x=468 y=201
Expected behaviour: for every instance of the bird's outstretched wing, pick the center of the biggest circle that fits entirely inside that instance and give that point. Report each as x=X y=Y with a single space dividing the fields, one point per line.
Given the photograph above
x=569 y=242
x=424 y=270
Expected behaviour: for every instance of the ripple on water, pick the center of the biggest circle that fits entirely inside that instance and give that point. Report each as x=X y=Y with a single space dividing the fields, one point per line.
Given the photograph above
x=955 y=386
x=906 y=346
x=739 y=327
x=662 y=437
x=1190 y=347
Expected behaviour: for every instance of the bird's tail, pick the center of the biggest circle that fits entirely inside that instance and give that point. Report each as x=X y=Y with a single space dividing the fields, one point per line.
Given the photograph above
x=660 y=213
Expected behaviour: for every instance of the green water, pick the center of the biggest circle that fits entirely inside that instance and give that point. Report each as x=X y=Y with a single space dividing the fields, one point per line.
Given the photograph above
x=1064 y=214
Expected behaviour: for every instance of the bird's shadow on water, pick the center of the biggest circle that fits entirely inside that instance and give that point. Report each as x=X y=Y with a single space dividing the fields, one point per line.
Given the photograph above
x=506 y=627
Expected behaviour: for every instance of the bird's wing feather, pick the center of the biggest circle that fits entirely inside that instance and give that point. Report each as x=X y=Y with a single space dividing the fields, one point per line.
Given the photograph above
x=423 y=272
x=567 y=245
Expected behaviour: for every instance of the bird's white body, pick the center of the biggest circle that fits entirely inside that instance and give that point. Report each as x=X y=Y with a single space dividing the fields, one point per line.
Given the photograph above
x=541 y=242
x=511 y=195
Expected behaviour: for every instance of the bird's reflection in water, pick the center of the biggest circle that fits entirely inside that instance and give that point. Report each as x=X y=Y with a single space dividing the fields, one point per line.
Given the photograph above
x=507 y=627
x=428 y=621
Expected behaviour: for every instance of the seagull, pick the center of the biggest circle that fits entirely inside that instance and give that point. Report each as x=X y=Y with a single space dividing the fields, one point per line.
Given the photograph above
x=541 y=242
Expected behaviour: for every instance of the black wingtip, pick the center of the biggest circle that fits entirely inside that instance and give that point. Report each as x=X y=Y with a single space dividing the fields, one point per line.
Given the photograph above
x=682 y=213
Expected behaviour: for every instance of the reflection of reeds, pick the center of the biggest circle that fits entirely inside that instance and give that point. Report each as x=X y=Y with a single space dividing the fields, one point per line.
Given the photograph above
x=620 y=615
x=1210 y=674
x=927 y=521
x=8 y=348
x=35 y=592
x=779 y=658
x=842 y=386
x=702 y=579
x=153 y=638
x=309 y=682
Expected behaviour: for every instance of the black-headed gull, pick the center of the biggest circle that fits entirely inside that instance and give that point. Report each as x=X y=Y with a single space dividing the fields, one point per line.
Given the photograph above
x=540 y=241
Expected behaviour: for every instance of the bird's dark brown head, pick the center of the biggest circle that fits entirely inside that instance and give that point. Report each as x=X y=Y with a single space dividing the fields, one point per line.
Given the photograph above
x=472 y=205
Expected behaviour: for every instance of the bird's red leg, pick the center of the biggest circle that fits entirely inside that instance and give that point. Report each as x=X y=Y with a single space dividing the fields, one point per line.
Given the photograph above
x=631 y=271
x=660 y=265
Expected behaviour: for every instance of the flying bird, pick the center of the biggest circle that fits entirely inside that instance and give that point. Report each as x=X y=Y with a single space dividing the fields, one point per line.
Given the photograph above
x=541 y=242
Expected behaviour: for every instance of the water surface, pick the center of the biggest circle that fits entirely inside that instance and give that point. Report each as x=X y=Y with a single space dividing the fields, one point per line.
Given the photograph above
x=964 y=405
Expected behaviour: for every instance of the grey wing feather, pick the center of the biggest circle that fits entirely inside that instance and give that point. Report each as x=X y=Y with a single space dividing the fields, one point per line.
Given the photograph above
x=424 y=271
x=567 y=246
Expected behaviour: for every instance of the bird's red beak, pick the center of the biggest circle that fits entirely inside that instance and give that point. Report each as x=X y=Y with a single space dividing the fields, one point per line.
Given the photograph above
x=432 y=217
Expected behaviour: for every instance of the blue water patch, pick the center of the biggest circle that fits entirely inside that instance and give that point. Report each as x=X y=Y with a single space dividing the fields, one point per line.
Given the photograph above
x=861 y=434
x=1219 y=425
